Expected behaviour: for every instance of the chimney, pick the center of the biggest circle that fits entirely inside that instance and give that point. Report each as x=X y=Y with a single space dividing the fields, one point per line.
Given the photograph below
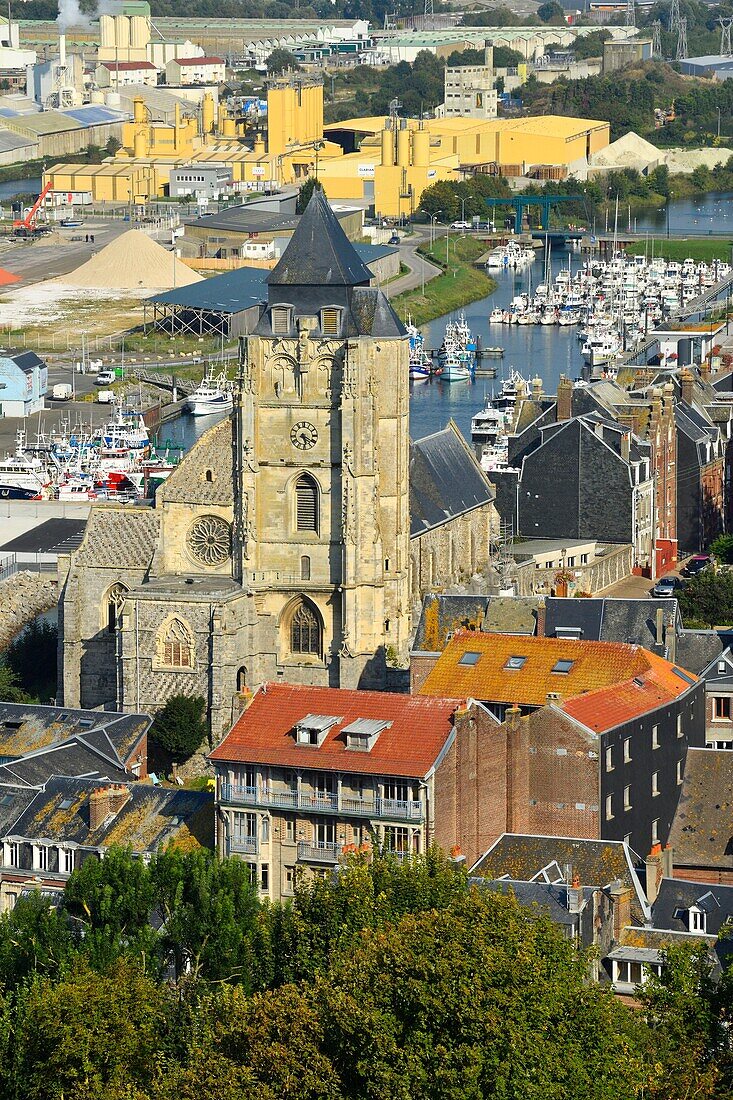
x=62 y=48
x=626 y=446
x=668 y=862
x=686 y=385
x=660 y=626
x=564 y=398
x=621 y=900
x=537 y=390
x=541 y=619
x=654 y=872
x=670 y=637
x=575 y=895
x=106 y=802
x=511 y=718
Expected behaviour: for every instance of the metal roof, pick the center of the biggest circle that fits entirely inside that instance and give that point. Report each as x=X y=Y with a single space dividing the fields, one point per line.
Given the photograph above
x=228 y=293
x=95 y=115
x=10 y=141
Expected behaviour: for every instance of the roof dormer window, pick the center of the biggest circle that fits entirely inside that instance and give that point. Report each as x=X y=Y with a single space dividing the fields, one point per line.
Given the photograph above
x=313 y=729
x=697 y=919
x=330 y=321
x=362 y=734
x=280 y=319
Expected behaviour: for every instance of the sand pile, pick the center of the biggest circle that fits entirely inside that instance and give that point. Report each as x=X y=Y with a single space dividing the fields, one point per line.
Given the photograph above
x=630 y=151
x=131 y=262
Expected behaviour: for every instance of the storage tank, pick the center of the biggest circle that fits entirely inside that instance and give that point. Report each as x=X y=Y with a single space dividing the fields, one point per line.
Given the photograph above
x=107 y=31
x=387 y=144
x=122 y=32
x=140 y=143
x=228 y=127
x=207 y=113
x=421 y=148
x=138 y=108
x=403 y=144
x=139 y=32
x=113 y=99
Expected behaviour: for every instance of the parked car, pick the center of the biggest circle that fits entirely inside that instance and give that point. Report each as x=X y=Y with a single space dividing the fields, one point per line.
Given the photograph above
x=105 y=378
x=696 y=564
x=664 y=587
x=62 y=391
x=460 y=225
x=394 y=239
x=106 y=397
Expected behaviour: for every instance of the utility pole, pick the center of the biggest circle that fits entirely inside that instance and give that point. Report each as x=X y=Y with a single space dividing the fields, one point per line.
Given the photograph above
x=682 y=38
x=656 y=39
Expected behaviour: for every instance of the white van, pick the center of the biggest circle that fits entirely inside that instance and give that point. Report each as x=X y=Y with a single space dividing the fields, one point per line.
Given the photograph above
x=106 y=397
x=62 y=391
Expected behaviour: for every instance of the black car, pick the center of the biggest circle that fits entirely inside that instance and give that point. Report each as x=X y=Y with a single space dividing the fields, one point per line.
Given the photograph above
x=696 y=564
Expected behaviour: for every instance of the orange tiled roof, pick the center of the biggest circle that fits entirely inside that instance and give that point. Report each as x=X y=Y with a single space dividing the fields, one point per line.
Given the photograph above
x=410 y=746
x=596 y=666
x=611 y=706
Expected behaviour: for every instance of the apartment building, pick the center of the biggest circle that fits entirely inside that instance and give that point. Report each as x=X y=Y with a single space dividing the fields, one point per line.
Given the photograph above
x=308 y=774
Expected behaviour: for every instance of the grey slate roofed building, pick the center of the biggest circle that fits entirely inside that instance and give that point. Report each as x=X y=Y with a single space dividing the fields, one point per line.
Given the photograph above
x=28 y=729
x=445 y=480
x=695 y=907
x=73 y=758
x=319 y=252
x=702 y=831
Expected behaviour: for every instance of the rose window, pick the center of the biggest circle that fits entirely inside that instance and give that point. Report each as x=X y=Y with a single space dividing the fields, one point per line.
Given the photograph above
x=209 y=540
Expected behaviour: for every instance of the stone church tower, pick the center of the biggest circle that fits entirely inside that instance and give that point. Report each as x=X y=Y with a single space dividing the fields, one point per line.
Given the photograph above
x=279 y=548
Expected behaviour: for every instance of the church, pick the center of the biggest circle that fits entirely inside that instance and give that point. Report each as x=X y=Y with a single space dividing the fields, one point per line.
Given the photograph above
x=294 y=538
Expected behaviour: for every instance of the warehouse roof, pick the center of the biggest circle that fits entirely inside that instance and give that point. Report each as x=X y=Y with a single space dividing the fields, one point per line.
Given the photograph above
x=9 y=141
x=95 y=115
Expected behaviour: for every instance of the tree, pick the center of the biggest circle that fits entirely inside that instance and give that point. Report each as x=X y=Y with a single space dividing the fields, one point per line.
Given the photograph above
x=305 y=193
x=35 y=940
x=10 y=691
x=722 y=549
x=32 y=656
x=113 y=145
x=708 y=599
x=180 y=727
x=281 y=60
x=551 y=12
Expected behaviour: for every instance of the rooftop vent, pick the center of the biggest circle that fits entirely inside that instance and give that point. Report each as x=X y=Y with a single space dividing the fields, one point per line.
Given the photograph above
x=362 y=734
x=312 y=729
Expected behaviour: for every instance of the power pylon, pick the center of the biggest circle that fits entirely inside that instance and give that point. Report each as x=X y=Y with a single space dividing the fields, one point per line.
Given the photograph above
x=682 y=38
x=726 y=49
x=630 y=14
x=674 y=16
x=656 y=38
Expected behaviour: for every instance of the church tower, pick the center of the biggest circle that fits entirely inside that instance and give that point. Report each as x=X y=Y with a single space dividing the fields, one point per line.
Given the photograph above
x=321 y=451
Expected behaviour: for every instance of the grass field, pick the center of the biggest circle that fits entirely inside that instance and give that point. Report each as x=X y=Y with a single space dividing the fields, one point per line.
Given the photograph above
x=699 y=248
x=461 y=282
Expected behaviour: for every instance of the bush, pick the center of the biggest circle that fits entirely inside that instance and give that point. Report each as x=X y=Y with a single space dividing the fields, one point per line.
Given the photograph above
x=180 y=727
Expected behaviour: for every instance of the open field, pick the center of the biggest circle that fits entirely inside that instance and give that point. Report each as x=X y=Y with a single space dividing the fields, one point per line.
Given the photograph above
x=461 y=282
x=699 y=248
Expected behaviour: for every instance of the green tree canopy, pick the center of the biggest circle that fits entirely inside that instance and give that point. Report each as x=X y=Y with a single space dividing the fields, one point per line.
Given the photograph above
x=281 y=60
x=180 y=727
x=707 y=599
x=306 y=191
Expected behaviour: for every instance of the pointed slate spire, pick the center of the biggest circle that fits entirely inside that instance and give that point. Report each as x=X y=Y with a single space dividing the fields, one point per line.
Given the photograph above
x=319 y=253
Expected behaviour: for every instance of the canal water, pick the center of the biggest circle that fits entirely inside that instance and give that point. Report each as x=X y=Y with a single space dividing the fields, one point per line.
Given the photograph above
x=20 y=187
x=544 y=351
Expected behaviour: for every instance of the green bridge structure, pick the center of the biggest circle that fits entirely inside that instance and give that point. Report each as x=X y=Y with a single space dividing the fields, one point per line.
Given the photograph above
x=524 y=202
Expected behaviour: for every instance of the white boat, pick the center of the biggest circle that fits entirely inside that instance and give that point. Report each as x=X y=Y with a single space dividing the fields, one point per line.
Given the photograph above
x=212 y=395
x=496 y=317
x=22 y=476
x=454 y=370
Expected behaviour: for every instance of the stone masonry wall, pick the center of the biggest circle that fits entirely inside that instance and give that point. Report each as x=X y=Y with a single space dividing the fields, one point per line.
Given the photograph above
x=22 y=597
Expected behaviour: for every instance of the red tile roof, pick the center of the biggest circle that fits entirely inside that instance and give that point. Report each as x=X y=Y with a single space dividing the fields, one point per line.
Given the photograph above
x=199 y=60
x=127 y=66
x=419 y=730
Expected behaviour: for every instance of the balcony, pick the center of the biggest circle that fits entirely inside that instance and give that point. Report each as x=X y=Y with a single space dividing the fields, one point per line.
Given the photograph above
x=246 y=845
x=389 y=809
x=319 y=853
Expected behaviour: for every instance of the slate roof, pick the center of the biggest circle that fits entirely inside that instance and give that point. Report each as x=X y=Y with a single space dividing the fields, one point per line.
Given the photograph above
x=676 y=896
x=512 y=614
x=152 y=816
x=73 y=758
x=265 y=734
x=319 y=253
x=372 y=315
x=696 y=649
x=532 y=858
x=53 y=536
x=594 y=665
x=443 y=615
x=610 y=620
x=29 y=728
x=702 y=829
x=119 y=537
x=445 y=480
x=546 y=898
x=13 y=801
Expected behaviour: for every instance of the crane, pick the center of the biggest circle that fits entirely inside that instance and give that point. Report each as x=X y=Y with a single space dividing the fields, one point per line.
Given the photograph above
x=26 y=227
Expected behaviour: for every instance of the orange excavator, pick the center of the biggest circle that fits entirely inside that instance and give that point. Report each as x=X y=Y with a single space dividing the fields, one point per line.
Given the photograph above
x=26 y=227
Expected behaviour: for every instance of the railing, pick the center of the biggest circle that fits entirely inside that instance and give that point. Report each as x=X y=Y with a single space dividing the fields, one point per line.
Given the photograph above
x=246 y=844
x=8 y=566
x=319 y=853
x=389 y=808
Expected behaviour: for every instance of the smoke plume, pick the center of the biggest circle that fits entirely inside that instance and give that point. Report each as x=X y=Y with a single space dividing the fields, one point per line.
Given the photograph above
x=71 y=15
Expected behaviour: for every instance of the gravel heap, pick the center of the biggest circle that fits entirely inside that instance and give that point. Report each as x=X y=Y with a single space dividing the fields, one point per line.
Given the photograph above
x=132 y=262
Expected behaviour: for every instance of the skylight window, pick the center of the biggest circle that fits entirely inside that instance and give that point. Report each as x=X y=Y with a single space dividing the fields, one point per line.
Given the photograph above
x=66 y=804
x=563 y=666
x=470 y=657
x=515 y=662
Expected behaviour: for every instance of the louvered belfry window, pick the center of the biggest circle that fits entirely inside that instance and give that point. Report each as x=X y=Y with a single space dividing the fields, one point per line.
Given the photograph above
x=330 y=321
x=306 y=504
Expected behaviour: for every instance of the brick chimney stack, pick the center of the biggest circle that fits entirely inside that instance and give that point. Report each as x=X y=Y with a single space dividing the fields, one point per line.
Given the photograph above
x=687 y=382
x=621 y=900
x=564 y=398
x=575 y=894
x=105 y=802
x=654 y=872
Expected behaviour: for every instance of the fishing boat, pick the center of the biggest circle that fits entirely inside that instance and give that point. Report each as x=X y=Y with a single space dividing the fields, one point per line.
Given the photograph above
x=212 y=395
x=23 y=476
x=454 y=369
x=421 y=365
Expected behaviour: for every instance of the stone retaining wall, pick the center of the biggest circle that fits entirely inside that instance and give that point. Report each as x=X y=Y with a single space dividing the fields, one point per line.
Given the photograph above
x=23 y=597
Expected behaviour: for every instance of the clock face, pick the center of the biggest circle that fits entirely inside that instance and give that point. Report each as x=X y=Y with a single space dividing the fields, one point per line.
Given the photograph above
x=303 y=435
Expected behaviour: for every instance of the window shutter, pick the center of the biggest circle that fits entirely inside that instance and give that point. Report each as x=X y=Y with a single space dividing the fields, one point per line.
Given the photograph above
x=306 y=500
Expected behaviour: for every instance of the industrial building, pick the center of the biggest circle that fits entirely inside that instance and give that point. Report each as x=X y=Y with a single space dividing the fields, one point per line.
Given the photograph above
x=617 y=54
x=712 y=66
x=195 y=70
x=204 y=181
x=469 y=89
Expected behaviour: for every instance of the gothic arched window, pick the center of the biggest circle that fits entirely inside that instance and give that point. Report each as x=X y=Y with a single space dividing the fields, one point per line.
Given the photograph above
x=306 y=504
x=305 y=631
x=114 y=602
x=176 y=645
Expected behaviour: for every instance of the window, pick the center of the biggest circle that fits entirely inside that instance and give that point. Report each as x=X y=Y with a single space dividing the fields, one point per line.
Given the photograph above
x=395 y=791
x=306 y=504
x=609 y=807
x=324 y=834
x=11 y=855
x=679 y=725
x=177 y=646
x=265 y=829
x=721 y=708
x=66 y=861
x=679 y=772
x=280 y=319
x=305 y=631
x=655 y=784
x=609 y=758
x=40 y=858
x=469 y=658
x=305 y=568
x=324 y=785
x=655 y=737
x=627 y=750
x=627 y=798
x=244 y=829
x=289 y=879
x=290 y=830
x=655 y=831
x=563 y=666
x=265 y=877
x=515 y=662
x=115 y=603
x=697 y=920
x=330 y=322
x=396 y=839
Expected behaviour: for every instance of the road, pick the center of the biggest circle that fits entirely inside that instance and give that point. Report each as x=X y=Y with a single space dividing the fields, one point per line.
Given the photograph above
x=419 y=268
x=36 y=260
x=640 y=588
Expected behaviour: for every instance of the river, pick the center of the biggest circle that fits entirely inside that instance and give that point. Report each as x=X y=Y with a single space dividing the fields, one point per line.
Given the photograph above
x=534 y=350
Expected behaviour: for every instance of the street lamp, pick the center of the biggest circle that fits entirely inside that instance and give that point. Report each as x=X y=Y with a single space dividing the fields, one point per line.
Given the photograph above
x=718 y=123
x=432 y=224
x=669 y=196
